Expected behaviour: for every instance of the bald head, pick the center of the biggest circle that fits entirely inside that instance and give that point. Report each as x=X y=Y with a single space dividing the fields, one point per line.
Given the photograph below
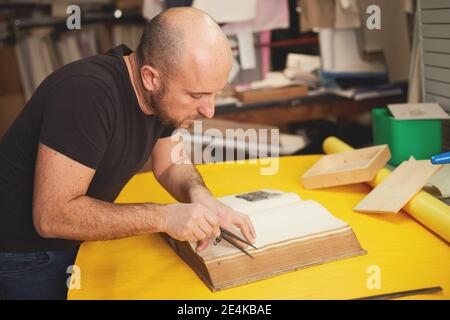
x=182 y=37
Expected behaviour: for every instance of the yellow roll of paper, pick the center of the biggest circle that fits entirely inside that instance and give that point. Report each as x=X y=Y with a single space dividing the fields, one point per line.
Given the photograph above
x=425 y=208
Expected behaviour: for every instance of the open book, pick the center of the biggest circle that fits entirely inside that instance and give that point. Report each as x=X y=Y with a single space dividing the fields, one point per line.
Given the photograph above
x=291 y=234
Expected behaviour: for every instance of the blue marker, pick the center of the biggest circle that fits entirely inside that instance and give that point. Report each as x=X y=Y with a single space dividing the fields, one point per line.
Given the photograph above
x=441 y=158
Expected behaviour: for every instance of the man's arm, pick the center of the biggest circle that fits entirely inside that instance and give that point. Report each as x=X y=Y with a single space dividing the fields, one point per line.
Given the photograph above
x=61 y=208
x=181 y=179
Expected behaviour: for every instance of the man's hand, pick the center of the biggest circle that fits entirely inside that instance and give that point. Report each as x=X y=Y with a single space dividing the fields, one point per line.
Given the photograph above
x=227 y=217
x=186 y=185
x=190 y=222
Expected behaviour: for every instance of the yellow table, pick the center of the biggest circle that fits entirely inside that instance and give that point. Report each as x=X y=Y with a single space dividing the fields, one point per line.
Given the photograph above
x=409 y=256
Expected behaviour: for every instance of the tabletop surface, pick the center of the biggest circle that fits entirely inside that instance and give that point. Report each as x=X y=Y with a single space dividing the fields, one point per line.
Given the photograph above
x=402 y=253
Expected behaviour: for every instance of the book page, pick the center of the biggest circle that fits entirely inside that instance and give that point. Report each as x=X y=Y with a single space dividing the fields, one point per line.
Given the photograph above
x=295 y=220
x=260 y=200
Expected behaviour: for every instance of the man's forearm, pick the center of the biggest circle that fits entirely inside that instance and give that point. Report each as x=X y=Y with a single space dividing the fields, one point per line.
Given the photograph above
x=86 y=218
x=183 y=182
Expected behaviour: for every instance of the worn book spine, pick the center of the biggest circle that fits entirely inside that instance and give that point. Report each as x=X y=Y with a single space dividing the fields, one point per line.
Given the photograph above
x=237 y=270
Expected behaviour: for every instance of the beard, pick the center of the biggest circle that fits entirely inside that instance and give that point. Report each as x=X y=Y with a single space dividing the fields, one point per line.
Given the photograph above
x=157 y=101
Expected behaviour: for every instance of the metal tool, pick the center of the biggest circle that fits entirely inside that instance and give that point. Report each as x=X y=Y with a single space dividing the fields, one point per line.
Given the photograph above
x=228 y=236
x=402 y=294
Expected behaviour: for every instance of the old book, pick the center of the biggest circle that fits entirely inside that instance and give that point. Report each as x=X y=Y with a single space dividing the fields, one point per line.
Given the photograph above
x=291 y=234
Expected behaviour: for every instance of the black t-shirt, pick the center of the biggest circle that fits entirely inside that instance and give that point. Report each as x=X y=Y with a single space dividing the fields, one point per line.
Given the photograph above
x=88 y=111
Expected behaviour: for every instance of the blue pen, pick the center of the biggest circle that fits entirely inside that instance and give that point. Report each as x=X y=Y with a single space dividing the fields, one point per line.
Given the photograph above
x=441 y=158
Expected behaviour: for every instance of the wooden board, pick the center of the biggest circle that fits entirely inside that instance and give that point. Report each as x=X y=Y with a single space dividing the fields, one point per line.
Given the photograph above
x=398 y=188
x=417 y=111
x=346 y=168
x=271 y=94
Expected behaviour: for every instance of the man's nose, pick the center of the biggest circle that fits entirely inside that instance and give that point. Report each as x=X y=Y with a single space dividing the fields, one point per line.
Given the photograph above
x=207 y=108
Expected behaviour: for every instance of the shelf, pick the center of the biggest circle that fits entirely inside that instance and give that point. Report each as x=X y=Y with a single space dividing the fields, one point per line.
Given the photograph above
x=89 y=17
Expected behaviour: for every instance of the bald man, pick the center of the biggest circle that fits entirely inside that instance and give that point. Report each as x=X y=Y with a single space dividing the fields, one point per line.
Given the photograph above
x=89 y=127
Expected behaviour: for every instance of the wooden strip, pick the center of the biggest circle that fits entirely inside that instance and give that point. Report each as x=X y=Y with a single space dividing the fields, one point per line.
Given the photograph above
x=436 y=31
x=434 y=4
x=436 y=59
x=262 y=95
x=436 y=45
x=398 y=188
x=440 y=74
x=436 y=16
x=440 y=88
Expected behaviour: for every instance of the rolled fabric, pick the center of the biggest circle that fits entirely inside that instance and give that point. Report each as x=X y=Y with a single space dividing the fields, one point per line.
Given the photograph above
x=425 y=208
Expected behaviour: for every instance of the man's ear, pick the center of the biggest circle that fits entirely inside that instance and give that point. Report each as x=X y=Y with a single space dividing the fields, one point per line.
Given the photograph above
x=150 y=78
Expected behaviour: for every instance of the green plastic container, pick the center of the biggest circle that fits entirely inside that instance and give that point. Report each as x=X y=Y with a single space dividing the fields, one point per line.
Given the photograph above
x=418 y=138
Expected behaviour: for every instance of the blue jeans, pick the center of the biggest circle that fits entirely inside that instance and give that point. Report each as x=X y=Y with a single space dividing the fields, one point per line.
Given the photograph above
x=35 y=275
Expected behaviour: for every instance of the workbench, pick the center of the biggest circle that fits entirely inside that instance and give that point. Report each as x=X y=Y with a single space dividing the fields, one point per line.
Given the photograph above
x=406 y=253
